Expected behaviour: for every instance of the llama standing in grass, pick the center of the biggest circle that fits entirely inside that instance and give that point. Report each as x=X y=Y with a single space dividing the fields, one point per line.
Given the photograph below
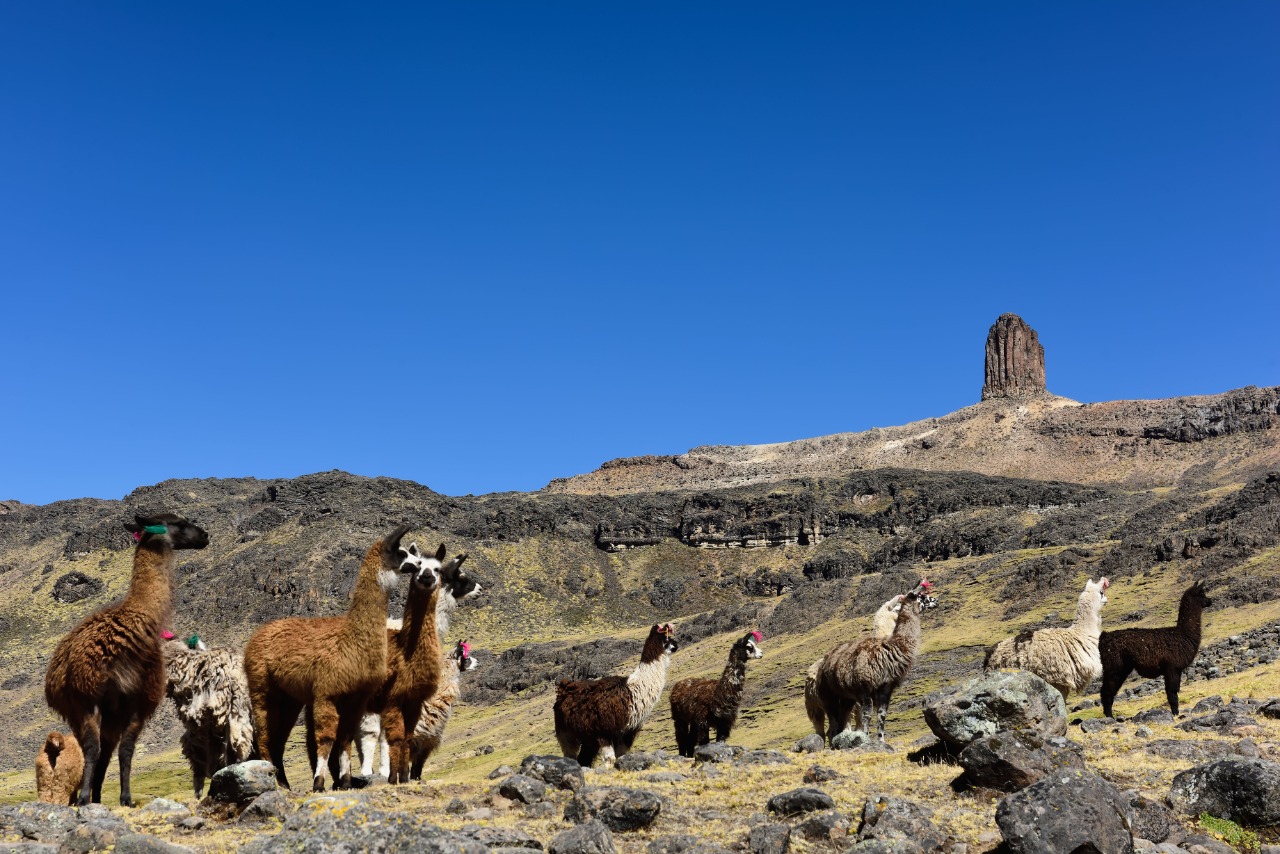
x=604 y=716
x=1154 y=652
x=59 y=770
x=106 y=677
x=437 y=710
x=211 y=696
x=1067 y=658
x=331 y=666
x=699 y=704
x=882 y=623
x=456 y=586
x=861 y=676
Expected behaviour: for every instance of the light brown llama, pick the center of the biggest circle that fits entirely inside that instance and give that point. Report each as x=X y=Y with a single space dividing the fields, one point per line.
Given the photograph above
x=438 y=708
x=106 y=677
x=861 y=676
x=331 y=666
x=882 y=623
x=59 y=770
x=697 y=705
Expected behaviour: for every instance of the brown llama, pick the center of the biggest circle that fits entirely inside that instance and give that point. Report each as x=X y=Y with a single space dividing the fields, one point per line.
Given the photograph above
x=106 y=677
x=861 y=676
x=59 y=770
x=699 y=704
x=1154 y=652
x=595 y=716
x=330 y=666
x=882 y=623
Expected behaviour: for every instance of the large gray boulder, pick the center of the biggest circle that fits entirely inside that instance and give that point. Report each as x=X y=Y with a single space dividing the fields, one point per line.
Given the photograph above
x=1073 y=810
x=241 y=783
x=590 y=837
x=1009 y=761
x=618 y=807
x=558 y=771
x=1000 y=701
x=1246 y=791
x=330 y=824
x=802 y=800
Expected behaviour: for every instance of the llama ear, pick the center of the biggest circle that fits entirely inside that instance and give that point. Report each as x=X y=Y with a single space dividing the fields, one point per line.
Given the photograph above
x=134 y=527
x=440 y=553
x=413 y=549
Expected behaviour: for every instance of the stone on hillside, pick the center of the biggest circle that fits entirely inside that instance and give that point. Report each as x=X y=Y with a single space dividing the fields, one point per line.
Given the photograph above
x=591 y=837
x=39 y=822
x=332 y=823
x=638 y=761
x=524 y=789
x=502 y=771
x=165 y=807
x=1222 y=721
x=673 y=844
x=1153 y=716
x=894 y=845
x=820 y=774
x=796 y=801
x=1067 y=811
x=242 y=782
x=1010 y=761
x=1246 y=791
x=1000 y=701
x=558 y=771
x=1208 y=704
x=618 y=807
x=825 y=826
x=769 y=839
x=811 y=743
x=502 y=837
x=145 y=843
x=763 y=757
x=1014 y=365
x=850 y=739
x=1150 y=820
x=666 y=777
x=885 y=817
x=716 y=751
x=1270 y=709
x=1198 y=843
x=266 y=807
x=1190 y=751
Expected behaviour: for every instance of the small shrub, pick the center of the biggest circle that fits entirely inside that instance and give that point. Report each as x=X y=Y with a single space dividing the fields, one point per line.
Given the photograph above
x=1230 y=832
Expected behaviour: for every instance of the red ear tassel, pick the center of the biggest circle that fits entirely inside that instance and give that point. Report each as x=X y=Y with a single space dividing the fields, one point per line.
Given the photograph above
x=758 y=637
x=137 y=536
x=466 y=650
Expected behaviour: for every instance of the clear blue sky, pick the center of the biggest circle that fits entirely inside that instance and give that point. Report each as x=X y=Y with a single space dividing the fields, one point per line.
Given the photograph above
x=482 y=245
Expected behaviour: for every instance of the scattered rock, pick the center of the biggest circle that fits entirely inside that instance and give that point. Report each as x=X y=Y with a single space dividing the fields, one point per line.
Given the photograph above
x=1014 y=760
x=769 y=839
x=590 y=837
x=1153 y=716
x=266 y=807
x=825 y=826
x=850 y=739
x=75 y=586
x=811 y=743
x=241 y=783
x=524 y=789
x=558 y=771
x=618 y=807
x=1150 y=820
x=1192 y=751
x=716 y=751
x=1246 y=791
x=145 y=843
x=763 y=757
x=897 y=845
x=801 y=800
x=172 y=810
x=1222 y=721
x=819 y=774
x=1066 y=811
x=503 y=771
x=1000 y=701
x=666 y=777
x=639 y=761
x=501 y=837
x=886 y=818
x=455 y=807
x=335 y=823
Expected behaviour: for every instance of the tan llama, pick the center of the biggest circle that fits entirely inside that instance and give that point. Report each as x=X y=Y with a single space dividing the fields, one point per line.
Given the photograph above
x=106 y=677
x=59 y=770
x=330 y=666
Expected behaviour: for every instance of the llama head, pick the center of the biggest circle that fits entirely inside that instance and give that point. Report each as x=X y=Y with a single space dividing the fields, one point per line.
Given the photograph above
x=661 y=641
x=1195 y=593
x=457 y=583
x=426 y=570
x=54 y=744
x=750 y=643
x=167 y=528
x=1094 y=593
x=462 y=654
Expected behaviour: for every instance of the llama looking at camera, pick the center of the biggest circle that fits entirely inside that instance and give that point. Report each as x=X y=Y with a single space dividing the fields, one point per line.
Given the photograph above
x=1154 y=652
x=106 y=677
x=603 y=716
x=699 y=704
x=1067 y=658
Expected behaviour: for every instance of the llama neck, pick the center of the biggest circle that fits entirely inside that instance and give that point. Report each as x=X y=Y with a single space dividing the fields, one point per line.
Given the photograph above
x=1088 y=616
x=907 y=629
x=729 y=689
x=418 y=635
x=1189 y=612
x=444 y=612
x=646 y=683
x=451 y=675
x=367 y=616
x=150 y=588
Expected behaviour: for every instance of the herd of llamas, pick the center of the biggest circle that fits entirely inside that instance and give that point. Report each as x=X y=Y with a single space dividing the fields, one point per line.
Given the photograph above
x=365 y=682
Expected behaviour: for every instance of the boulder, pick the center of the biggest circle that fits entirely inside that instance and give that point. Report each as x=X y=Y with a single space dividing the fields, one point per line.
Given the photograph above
x=716 y=751
x=825 y=826
x=1010 y=761
x=524 y=789
x=1073 y=810
x=638 y=761
x=342 y=823
x=241 y=783
x=850 y=739
x=618 y=807
x=769 y=839
x=763 y=757
x=266 y=807
x=145 y=843
x=558 y=771
x=886 y=818
x=896 y=845
x=591 y=837
x=820 y=774
x=811 y=743
x=502 y=837
x=1246 y=791
x=796 y=801
x=1000 y=701
x=1150 y=820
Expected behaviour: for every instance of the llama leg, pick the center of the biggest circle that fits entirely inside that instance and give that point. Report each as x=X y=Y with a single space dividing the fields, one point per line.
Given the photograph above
x=882 y=704
x=1172 y=682
x=1111 y=682
x=682 y=738
x=108 y=738
x=384 y=753
x=588 y=752
x=280 y=716
x=128 y=743
x=323 y=732
x=393 y=727
x=422 y=749
x=412 y=714
x=87 y=733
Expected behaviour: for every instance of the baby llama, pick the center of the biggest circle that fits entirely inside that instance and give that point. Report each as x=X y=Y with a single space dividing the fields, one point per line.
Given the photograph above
x=106 y=677
x=699 y=704
x=59 y=770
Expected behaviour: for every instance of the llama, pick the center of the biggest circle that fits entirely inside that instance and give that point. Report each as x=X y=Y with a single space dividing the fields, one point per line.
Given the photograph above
x=211 y=696
x=1067 y=658
x=437 y=710
x=882 y=623
x=699 y=704
x=1154 y=652
x=106 y=677
x=59 y=770
x=455 y=586
x=331 y=666
x=861 y=676
x=604 y=716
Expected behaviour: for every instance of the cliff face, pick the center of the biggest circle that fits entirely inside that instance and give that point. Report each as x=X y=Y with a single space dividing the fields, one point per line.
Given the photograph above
x=1014 y=365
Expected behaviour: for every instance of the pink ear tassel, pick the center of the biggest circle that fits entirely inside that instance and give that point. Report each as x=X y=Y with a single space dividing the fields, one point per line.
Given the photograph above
x=758 y=637
x=466 y=650
x=137 y=536
x=166 y=634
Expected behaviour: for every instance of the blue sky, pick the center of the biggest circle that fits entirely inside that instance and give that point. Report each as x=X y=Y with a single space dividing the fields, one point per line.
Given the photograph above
x=482 y=245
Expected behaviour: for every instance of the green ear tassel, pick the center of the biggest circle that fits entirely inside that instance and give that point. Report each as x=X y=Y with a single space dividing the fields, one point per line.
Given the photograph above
x=156 y=529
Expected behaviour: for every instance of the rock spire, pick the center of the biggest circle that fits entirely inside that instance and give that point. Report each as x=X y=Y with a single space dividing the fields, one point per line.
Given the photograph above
x=1015 y=360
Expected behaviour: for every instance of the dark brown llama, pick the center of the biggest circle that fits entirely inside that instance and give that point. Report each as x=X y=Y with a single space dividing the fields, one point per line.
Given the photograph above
x=697 y=705
x=595 y=716
x=331 y=666
x=1154 y=652
x=106 y=677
